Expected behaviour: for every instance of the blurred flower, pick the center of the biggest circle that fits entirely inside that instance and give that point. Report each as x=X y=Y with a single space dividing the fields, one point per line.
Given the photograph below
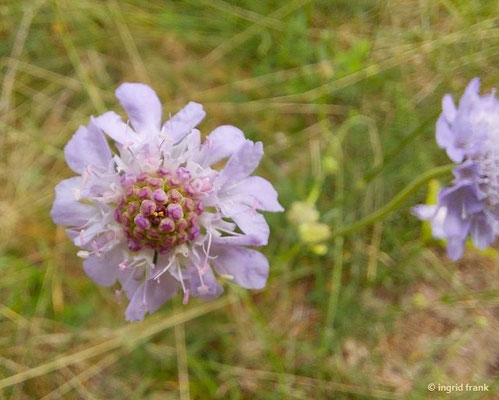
x=305 y=216
x=302 y=212
x=470 y=135
x=155 y=216
x=313 y=232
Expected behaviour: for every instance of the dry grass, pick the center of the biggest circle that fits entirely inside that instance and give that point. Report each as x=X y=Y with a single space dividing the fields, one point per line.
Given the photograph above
x=381 y=315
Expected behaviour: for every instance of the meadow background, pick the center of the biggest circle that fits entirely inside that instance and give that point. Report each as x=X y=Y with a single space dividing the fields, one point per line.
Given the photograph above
x=344 y=94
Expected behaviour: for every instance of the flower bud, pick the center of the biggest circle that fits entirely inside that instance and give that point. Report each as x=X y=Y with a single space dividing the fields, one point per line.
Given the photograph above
x=182 y=225
x=164 y=172
x=188 y=204
x=174 y=196
x=142 y=221
x=166 y=225
x=145 y=193
x=134 y=245
x=147 y=207
x=155 y=182
x=160 y=196
x=175 y=211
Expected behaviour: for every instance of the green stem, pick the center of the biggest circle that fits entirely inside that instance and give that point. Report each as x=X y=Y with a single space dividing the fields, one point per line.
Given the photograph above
x=334 y=296
x=335 y=284
x=396 y=202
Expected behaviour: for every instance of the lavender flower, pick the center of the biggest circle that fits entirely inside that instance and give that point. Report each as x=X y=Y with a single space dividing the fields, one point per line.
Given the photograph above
x=157 y=216
x=470 y=135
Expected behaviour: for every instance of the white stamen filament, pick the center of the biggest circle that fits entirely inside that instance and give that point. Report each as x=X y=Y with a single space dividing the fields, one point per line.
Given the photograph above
x=170 y=263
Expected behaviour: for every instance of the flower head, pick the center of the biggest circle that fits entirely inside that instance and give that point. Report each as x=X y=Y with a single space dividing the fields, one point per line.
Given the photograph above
x=470 y=135
x=305 y=216
x=156 y=216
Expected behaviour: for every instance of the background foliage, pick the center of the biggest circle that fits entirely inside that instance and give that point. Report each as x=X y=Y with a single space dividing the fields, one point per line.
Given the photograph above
x=344 y=96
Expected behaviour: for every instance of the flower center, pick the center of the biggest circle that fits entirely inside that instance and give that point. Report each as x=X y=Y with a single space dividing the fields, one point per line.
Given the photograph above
x=159 y=210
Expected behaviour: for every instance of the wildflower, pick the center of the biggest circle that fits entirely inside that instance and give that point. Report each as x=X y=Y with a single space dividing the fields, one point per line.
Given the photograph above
x=311 y=232
x=302 y=212
x=156 y=216
x=470 y=135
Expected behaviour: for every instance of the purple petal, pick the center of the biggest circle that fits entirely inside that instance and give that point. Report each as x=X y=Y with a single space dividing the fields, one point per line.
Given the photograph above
x=455 y=225
x=482 y=232
x=208 y=289
x=67 y=210
x=455 y=248
x=104 y=269
x=142 y=106
x=241 y=164
x=258 y=193
x=461 y=203
x=437 y=223
x=466 y=172
x=449 y=108
x=456 y=154
x=112 y=124
x=150 y=296
x=249 y=268
x=130 y=280
x=87 y=147
x=184 y=121
x=445 y=137
x=436 y=215
x=90 y=233
x=193 y=141
x=423 y=211
x=253 y=224
x=462 y=197
x=221 y=143
x=248 y=220
x=470 y=94
x=239 y=240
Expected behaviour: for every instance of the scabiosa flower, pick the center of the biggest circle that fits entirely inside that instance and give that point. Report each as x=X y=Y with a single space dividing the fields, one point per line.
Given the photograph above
x=156 y=216
x=470 y=135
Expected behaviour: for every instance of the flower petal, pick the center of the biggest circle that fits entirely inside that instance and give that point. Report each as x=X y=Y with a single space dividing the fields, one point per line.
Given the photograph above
x=470 y=94
x=444 y=135
x=423 y=211
x=258 y=193
x=208 y=289
x=248 y=220
x=87 y=235
x=184 y=121
x=130 y=279
x=449 y=108
x=112 y=124
x=454 y=224
x=88 y=146
x=247 y=267
x=239 y=240
x=150 y=296
x=241 y=164
x=482 y=232
x=142 y=106
x=221 y=143
x=455 y=248
x=67 y=210
x=253 y=224
x=436 y=215
x=104 y=269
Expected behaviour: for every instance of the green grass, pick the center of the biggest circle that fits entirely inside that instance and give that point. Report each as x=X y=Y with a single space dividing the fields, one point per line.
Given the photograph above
x=344 y=96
